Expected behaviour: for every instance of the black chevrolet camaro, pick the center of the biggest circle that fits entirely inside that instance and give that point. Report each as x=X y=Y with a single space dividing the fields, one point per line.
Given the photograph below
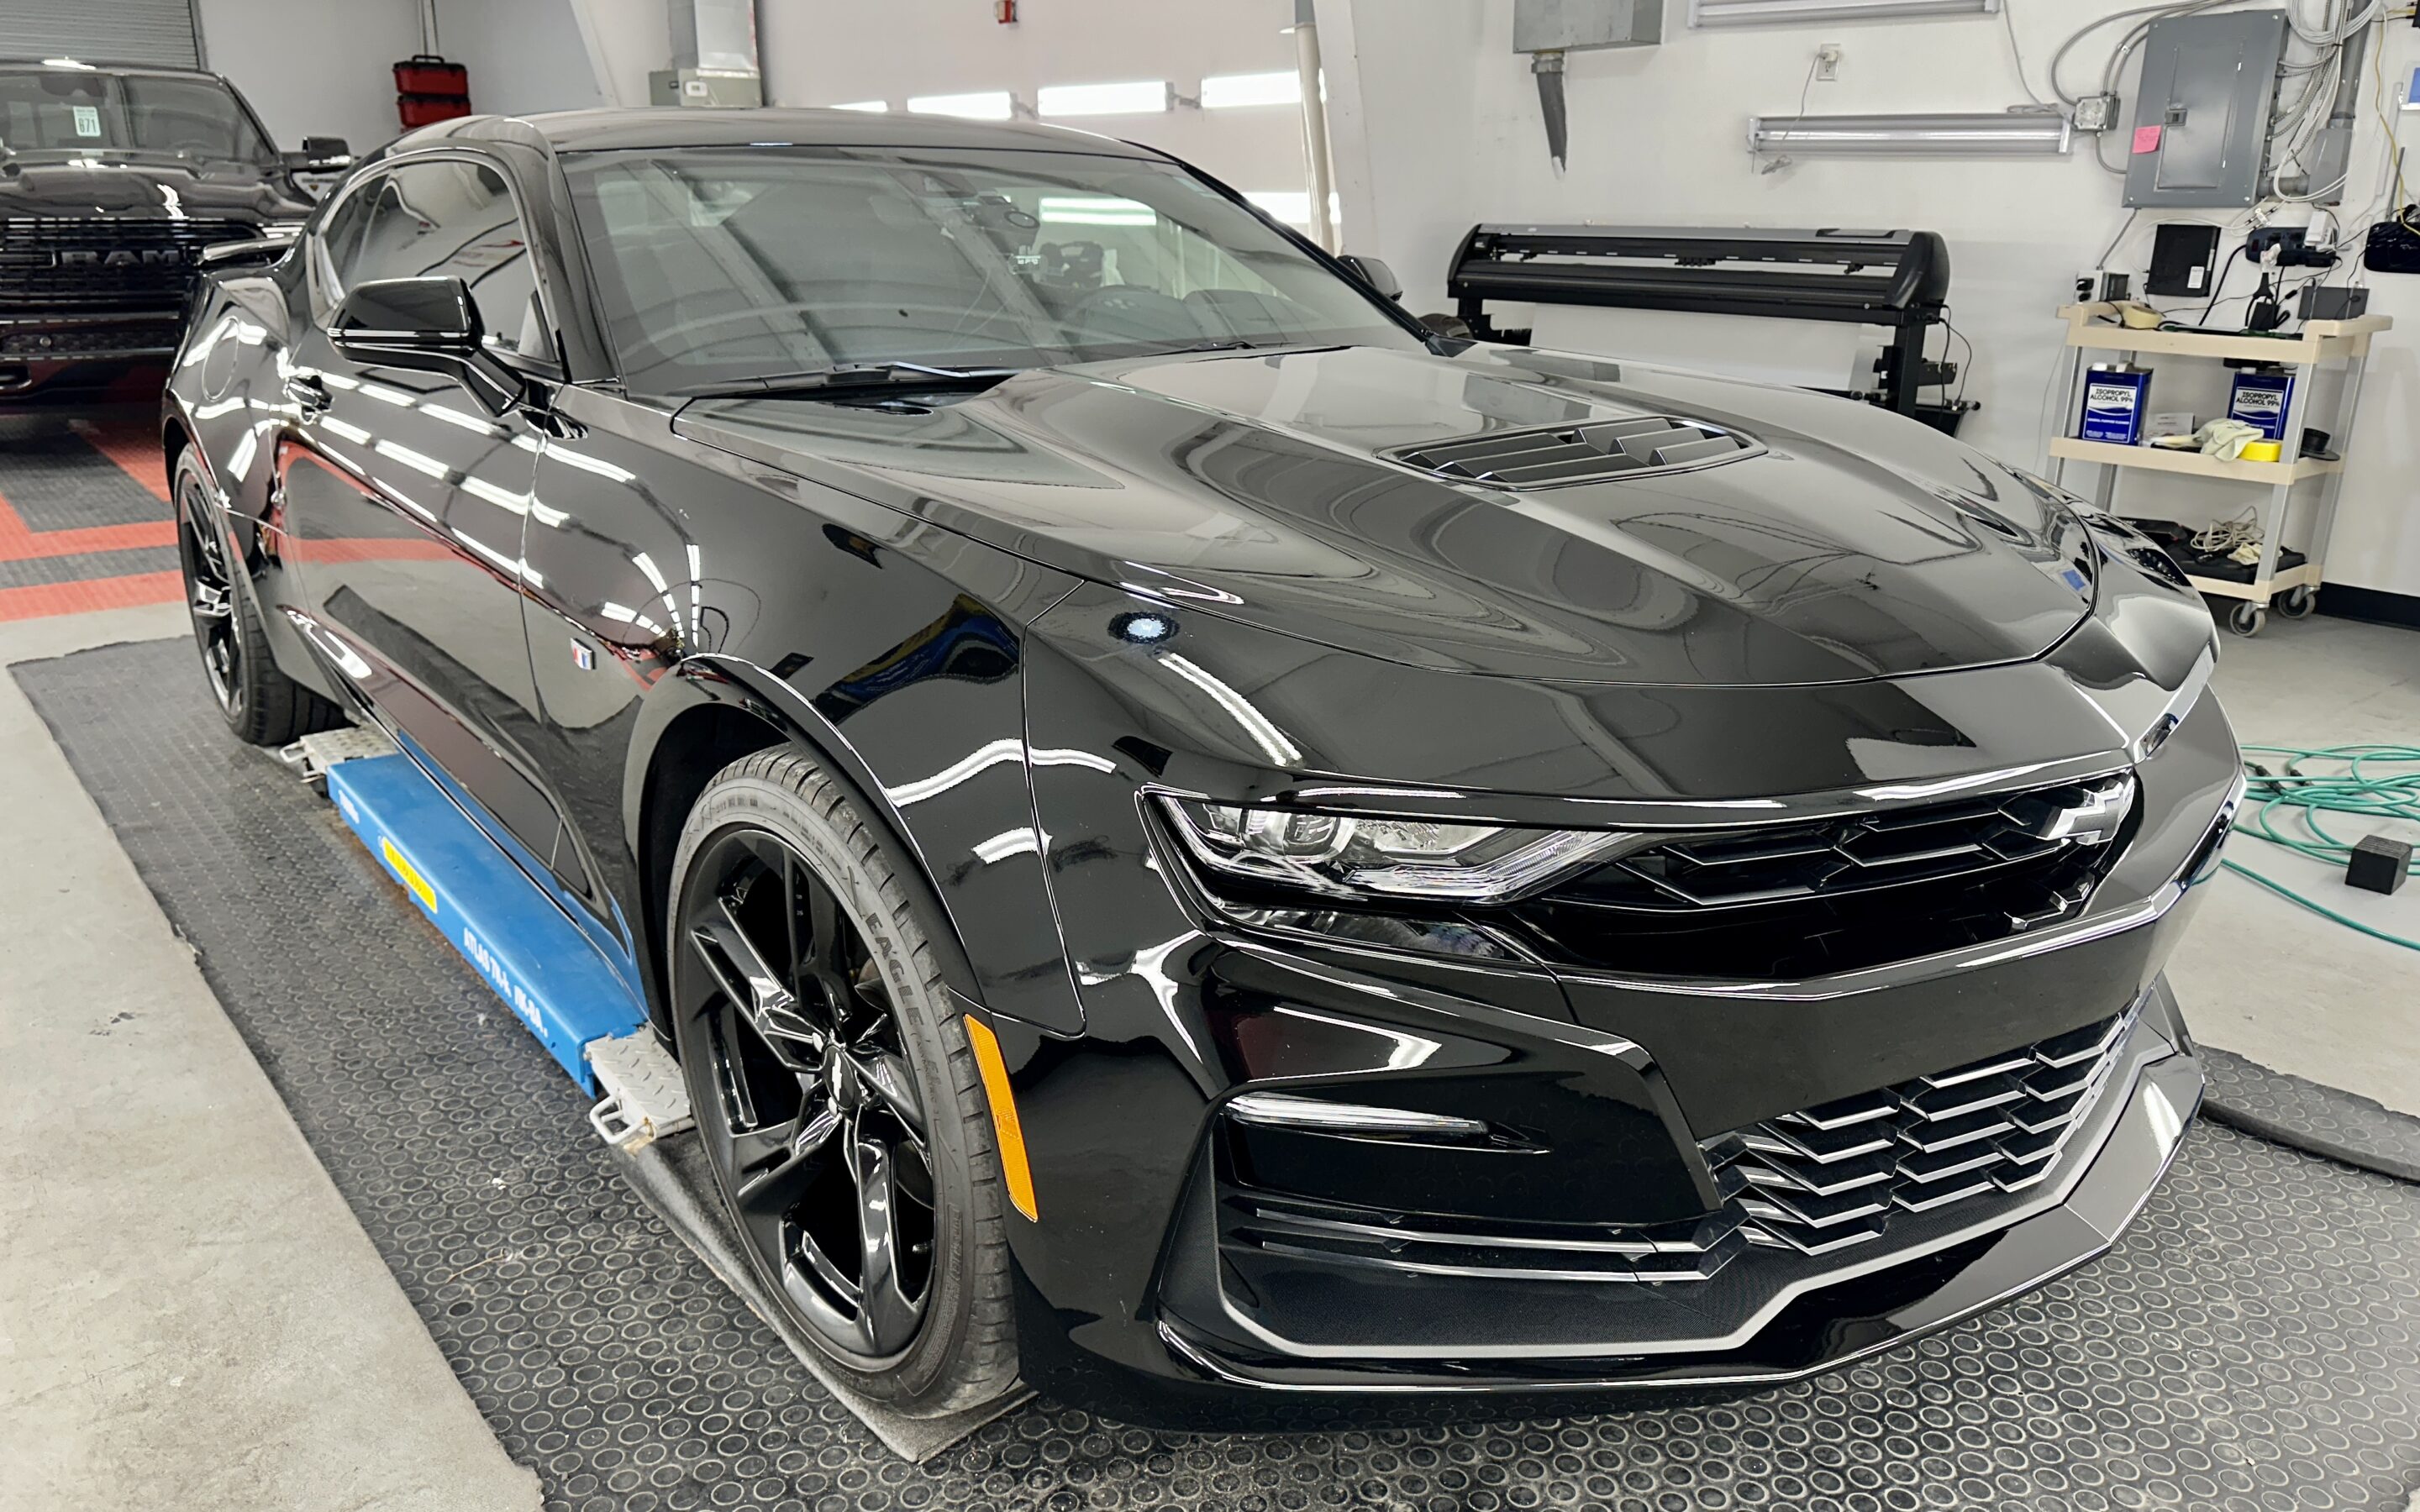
x=1198 y=841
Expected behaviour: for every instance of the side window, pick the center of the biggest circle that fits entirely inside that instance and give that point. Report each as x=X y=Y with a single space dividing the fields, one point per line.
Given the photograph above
x=457 y=219
x=333 y=252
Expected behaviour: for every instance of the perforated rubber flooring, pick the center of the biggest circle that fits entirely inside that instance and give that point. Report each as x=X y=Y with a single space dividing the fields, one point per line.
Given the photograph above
x=2252 y=1345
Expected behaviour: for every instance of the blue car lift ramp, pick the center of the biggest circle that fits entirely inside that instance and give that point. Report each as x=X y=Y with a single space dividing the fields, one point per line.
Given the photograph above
x=555 y=982
x=541 y=966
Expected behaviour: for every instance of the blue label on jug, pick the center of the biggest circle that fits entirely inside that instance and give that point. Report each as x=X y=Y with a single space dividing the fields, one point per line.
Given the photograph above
x=2113 y=408
x=2260 y=400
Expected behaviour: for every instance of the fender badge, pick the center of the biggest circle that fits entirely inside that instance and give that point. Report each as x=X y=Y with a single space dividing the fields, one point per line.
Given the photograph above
x=584 y=656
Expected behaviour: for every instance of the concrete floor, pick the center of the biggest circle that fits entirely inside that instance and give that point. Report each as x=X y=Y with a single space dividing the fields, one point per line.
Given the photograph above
x=191 y=1317
x=2274 y=982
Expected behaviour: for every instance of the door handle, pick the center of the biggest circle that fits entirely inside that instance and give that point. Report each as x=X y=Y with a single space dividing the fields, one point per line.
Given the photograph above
x=308 y=394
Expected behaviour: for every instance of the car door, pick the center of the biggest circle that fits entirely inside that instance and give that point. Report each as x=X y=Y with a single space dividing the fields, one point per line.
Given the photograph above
x=407 y=500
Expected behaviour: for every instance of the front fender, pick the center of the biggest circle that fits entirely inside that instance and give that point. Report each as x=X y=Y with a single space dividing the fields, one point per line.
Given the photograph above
x=941 y=773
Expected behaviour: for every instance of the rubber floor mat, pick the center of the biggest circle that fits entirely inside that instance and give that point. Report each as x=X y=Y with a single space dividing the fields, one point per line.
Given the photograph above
x=2323 y=1120
x=2253 y=1343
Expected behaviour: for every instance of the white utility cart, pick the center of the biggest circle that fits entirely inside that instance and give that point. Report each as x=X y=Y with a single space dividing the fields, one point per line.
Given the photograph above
x=2318 y=342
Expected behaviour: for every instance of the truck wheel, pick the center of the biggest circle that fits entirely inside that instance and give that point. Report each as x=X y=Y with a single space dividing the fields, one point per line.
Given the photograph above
x=260 y=704
x=839 y=1102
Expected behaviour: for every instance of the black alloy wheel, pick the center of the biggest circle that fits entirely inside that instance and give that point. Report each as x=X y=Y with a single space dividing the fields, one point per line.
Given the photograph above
x=210 y=590
x=813 y=1119
x=260 y=703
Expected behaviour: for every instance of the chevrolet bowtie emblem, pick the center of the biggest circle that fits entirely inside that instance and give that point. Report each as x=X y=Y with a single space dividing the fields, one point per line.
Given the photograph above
x=2094 y=819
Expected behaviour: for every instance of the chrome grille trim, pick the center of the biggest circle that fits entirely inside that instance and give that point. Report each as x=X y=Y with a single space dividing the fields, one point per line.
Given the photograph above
x=80 y=263
x=1742 y=867
x=1690 y=1250
x=1992 y=1125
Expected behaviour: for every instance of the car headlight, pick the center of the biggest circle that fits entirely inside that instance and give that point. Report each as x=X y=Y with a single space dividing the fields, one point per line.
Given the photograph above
x=1373 y=855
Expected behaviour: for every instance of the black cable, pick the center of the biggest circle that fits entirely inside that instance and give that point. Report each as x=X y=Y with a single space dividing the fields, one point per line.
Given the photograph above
x=1965 y=369
x=2223 y=269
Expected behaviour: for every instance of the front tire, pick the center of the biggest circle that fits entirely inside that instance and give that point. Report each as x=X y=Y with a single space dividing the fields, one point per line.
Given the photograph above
x=834 y=1090
x=260 y=704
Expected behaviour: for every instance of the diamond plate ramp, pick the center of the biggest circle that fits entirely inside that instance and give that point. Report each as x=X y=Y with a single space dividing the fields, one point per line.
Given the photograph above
x=2251 y=1344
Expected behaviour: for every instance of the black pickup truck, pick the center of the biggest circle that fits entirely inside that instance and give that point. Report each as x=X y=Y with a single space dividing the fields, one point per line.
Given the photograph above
x=113 y=180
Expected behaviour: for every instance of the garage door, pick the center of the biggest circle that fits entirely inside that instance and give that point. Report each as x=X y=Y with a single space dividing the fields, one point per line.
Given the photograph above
x=119 y=31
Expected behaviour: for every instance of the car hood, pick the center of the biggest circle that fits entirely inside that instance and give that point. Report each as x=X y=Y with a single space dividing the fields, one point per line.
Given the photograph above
x=1844 y=543
x=48 y=184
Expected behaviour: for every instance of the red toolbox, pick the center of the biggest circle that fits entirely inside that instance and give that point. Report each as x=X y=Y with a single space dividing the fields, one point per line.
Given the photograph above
x=426 y=74
x=429 y=88
x=420 y=110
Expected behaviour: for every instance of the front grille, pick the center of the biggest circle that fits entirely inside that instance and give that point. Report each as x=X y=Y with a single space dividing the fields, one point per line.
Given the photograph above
x=1814 y=1181
x=1831 y=1176
x=71 y=262
x=1549 y=455
x=1790 y=902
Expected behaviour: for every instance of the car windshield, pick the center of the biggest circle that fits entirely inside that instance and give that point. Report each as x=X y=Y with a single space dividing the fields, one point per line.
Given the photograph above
x=718 y=266
x=91 y=111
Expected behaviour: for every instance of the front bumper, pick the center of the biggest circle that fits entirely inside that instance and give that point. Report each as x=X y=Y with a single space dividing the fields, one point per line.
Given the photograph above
x=51 y=362
x=1768 y=1317
x=1607 y=1100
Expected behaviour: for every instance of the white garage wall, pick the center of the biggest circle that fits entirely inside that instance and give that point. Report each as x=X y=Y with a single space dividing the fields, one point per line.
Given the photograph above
x=320 y=68
x=1437 y=127
x=834 y=52
x=524 y=56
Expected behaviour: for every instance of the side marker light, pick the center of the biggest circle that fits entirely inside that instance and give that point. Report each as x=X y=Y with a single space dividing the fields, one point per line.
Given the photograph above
x=1012 y=1167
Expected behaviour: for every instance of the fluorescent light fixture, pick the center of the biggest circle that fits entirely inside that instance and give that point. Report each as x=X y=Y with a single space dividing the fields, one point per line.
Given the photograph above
x=987 y=105
x=1097 y=209
x=1147 y=97
x=872 y=107
x=1997 y=133
x=1228 y=90
x=1786 y=12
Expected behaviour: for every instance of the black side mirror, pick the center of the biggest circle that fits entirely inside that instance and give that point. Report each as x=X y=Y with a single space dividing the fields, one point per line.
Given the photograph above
x=319 y=154
x=430 y=325
x=1376 y=274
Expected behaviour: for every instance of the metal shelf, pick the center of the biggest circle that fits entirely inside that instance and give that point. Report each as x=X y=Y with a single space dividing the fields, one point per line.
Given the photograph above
x=2318 y=342
x=2160 y=459
x=2261 y=591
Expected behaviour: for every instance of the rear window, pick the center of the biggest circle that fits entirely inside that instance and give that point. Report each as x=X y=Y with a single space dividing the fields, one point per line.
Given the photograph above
x=164 y=114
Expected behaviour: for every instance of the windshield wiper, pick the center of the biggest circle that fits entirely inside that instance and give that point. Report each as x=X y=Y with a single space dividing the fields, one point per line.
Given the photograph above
x=854 y=377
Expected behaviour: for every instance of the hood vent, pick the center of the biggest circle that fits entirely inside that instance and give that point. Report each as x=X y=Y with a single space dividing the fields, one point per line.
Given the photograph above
x=1545 y=455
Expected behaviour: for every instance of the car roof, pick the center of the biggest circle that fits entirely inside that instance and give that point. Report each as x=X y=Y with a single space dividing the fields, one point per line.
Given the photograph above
x=601 y=130
x=87 y=65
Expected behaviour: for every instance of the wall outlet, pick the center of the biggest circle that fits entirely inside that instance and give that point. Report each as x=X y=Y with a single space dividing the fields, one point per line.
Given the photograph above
x=2096 y=112
x=1827 y=63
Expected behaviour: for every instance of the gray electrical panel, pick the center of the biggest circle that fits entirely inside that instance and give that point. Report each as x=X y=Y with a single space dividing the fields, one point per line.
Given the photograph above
x=2201 y=118
x=1574 y=26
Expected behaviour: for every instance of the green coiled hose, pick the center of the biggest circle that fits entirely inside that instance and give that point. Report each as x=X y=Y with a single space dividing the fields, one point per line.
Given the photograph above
x=2372 y=781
